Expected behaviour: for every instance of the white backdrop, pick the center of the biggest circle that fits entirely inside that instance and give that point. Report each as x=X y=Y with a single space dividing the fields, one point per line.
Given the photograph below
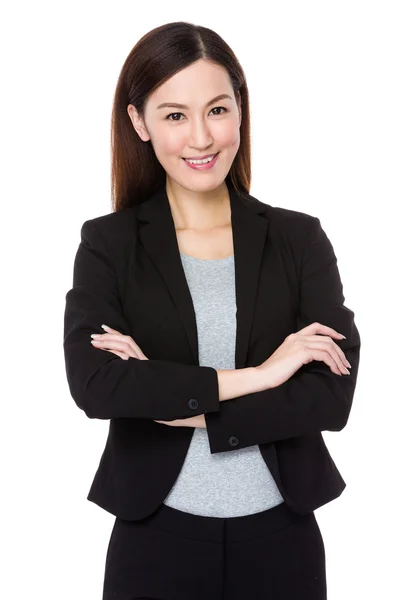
x=333 y=106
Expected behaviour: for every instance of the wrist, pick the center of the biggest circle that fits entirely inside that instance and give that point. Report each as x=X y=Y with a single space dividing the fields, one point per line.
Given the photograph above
x=239 y=382
x=260 y=379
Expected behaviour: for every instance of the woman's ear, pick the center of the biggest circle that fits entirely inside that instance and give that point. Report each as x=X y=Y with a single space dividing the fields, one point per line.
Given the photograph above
x=239 y=106
x=138 y=123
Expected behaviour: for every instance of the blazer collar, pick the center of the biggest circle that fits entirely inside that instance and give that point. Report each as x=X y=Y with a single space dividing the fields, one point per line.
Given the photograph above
x=158 y=237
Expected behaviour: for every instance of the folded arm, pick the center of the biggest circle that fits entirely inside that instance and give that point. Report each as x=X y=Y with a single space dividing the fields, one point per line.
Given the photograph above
x=105 y=386
x=314 y=399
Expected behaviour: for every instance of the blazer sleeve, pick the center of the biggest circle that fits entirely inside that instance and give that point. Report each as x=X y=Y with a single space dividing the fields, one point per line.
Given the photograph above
x=104 y=385
x=314 y=399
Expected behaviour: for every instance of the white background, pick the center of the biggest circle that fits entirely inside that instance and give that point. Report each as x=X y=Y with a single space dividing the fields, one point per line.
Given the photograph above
x=333 y=105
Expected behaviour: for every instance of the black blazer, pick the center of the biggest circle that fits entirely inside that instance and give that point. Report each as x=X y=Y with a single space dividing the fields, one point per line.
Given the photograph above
x=128 y=275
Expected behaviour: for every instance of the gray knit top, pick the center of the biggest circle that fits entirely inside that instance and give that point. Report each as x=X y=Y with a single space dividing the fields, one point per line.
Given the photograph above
x=236 y=482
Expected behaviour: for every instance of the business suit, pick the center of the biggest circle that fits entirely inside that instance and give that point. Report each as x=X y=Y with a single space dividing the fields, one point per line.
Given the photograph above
x=128 y=275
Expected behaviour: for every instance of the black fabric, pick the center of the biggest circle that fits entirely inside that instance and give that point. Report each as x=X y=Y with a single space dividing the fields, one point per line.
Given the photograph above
x=128 y=274
x=175 y=555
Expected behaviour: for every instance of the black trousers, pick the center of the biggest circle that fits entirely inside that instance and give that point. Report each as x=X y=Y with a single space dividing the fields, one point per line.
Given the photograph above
x=275 y=554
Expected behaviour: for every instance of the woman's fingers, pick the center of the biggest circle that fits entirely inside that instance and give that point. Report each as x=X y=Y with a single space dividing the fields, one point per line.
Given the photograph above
x=117 y=347
x=116 y=342
x=324 y=356
x=330 y=350
x=121 y=354
x=342 y=356
x=328 y=340
x=319 y=328
x=110 y=329
x=317 y=332
x=137 y=350
x=119 y=341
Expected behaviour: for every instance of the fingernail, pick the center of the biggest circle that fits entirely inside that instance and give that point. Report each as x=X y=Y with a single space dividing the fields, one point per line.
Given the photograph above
x=343 y=336
x=94 y=335
x=106 y=328
x=350 y=366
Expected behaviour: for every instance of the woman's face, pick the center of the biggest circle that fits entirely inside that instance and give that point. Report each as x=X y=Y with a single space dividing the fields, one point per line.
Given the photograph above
x=199 y=127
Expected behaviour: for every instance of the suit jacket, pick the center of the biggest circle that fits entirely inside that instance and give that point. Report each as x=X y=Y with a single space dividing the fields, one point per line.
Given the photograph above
x=128 y=275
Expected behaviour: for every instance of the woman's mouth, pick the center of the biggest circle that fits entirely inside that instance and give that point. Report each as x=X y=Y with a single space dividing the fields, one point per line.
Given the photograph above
x=202 y=165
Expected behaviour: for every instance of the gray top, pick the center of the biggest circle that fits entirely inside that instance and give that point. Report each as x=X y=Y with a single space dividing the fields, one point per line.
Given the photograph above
x=236 y=482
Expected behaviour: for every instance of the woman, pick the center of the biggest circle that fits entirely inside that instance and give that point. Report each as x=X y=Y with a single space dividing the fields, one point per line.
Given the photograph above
x=223 y=356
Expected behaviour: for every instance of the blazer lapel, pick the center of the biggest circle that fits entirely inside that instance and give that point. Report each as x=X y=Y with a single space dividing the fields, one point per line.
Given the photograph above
x=158 y=237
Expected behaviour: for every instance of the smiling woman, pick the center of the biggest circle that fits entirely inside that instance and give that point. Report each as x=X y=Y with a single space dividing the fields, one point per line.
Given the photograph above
x=226 y=344
x=205 y=137
x=197 y=75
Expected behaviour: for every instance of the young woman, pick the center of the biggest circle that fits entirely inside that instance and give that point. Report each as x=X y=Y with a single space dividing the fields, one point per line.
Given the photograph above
x=210 y=329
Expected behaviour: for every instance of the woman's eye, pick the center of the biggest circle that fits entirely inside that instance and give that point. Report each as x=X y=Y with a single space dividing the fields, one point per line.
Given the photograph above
x=170 y=115
x=219 y=108
x=177 y=113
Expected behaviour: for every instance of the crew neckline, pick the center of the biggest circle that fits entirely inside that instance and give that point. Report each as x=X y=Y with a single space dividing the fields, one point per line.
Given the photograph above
x=207 y=260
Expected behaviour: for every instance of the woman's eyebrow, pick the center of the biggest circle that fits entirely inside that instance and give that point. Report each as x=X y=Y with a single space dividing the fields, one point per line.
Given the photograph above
x=175 y=105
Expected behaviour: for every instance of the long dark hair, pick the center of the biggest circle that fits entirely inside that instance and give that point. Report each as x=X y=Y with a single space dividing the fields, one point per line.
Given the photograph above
x=135 y=170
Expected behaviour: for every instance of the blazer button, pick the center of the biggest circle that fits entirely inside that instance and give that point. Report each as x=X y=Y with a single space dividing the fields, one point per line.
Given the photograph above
x=233 y=440
x=193 y=403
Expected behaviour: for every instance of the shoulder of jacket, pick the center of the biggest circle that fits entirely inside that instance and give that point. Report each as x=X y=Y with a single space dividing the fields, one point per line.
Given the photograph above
x=113 y=227
x=286 y=216
x=292 y=218
x=293 y=224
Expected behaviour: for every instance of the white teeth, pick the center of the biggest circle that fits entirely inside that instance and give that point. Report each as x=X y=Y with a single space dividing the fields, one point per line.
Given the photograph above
x=200 y=162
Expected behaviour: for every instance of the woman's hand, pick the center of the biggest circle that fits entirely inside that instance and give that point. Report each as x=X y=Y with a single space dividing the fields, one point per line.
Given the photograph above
x=197 y=421
x=301 y=348
x=126 y=347
x=117 y=343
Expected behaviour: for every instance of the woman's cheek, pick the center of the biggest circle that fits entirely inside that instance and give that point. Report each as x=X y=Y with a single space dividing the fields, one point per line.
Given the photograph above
x=228 y=137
